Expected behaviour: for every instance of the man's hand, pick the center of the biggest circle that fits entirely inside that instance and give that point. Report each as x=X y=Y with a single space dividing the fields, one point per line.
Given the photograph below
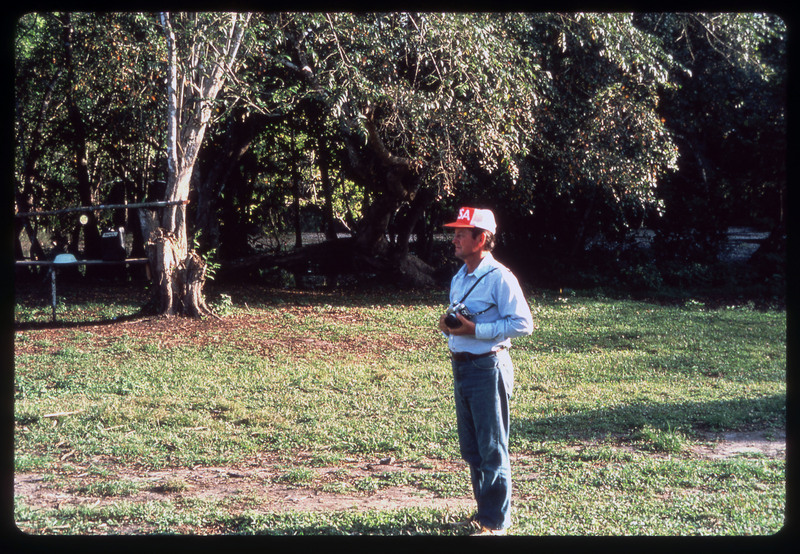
x=442 y=327
x=467 y=327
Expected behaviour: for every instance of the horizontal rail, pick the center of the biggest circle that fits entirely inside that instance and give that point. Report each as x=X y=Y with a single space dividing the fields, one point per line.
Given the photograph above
x=80 y=262
x=159 y=204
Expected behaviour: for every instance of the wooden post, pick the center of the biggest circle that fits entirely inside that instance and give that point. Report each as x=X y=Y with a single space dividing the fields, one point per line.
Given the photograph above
x=53 y=288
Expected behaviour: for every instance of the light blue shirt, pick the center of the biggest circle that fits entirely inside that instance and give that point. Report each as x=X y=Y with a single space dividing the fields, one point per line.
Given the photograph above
x=507 y=312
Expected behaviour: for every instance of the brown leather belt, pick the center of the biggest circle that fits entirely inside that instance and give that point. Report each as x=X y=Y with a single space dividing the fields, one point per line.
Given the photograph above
x=468 y=356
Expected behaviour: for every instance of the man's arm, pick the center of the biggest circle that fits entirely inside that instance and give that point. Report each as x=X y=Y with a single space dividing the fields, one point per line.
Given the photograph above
x=515 y=315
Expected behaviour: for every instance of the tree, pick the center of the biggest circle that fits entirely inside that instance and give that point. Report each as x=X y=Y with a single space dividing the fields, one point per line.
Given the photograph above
x=199 y=59
x=414 y=98
x=33 y=107
x=663 y=119
x=699 y=98
x=728 y=113
x=85 y=120
x=605 y=144
x=566 y=124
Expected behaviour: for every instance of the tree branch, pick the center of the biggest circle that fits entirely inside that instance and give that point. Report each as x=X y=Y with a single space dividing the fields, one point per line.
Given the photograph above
x=380 y=149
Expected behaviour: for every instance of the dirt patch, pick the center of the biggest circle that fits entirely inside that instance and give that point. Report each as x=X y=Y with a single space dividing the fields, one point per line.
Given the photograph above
x=256 y=486
x=258 y=334
x=261 y=485
x=771 y=443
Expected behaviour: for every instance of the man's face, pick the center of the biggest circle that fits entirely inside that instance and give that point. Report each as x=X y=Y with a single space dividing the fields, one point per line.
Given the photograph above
x=465 y=245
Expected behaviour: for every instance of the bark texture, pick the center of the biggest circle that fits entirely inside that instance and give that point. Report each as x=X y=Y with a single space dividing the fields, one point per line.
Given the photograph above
x=180 y=276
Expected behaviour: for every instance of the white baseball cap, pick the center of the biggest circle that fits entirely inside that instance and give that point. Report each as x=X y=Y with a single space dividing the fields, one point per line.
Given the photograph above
x=475 y=218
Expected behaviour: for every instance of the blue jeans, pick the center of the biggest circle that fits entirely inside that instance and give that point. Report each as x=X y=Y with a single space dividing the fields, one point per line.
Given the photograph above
x=482 y=392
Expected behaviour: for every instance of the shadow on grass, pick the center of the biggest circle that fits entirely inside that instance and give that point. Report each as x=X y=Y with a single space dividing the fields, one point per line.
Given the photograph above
x=430 y=529
x=92 y=302
x=37 y=295
x=687 y=417
x=342 y=524
x=49 y=324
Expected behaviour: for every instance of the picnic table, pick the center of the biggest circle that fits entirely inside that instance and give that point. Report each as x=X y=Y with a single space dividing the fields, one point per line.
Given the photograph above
x=69 y=260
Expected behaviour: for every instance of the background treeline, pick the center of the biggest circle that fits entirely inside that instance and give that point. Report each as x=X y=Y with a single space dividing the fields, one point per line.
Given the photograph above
x=578 y=130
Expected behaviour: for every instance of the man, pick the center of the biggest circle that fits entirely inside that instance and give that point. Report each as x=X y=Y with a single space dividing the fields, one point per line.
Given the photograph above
x=483 y=375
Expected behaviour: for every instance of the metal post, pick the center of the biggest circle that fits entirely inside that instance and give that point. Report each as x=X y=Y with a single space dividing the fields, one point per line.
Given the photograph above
x=53 y=288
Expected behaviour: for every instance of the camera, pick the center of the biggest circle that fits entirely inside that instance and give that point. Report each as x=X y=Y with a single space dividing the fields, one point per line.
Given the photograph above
x=451 y=320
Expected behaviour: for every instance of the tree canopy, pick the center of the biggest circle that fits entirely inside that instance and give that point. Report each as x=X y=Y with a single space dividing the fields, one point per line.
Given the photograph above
x=571 y=126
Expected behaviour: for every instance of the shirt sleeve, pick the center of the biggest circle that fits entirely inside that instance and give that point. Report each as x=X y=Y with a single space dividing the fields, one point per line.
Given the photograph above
x=515 y=319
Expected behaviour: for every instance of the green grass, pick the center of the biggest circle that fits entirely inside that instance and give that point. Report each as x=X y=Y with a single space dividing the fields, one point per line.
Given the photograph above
x=109 y=488
x=609 y=398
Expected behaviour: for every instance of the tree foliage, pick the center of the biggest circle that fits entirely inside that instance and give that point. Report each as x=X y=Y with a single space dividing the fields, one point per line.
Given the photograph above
x=604 y=144
x=727 y=111
x=572 y=126
x=429 y=87
x=86 y=93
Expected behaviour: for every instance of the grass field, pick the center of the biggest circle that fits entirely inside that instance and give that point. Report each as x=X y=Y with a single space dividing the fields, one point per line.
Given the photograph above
x=620 y=414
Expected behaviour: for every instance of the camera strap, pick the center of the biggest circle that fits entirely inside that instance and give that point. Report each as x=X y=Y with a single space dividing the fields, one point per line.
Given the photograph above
x=475 y=285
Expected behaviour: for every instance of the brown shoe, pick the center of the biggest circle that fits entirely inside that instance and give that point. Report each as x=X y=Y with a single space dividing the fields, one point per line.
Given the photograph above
x=471 y=522
x=487 y=532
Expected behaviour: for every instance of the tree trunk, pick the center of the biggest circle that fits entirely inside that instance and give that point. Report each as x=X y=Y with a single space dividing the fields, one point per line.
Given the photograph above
x=239 y=138
x=180 y=274
x=167 y=245
x=327 y=191
x=298 y=229
x=394 y=184
x=316 y=126
x=422 y=199
x=20 y=224
x=195 y=269
x=164 y=252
